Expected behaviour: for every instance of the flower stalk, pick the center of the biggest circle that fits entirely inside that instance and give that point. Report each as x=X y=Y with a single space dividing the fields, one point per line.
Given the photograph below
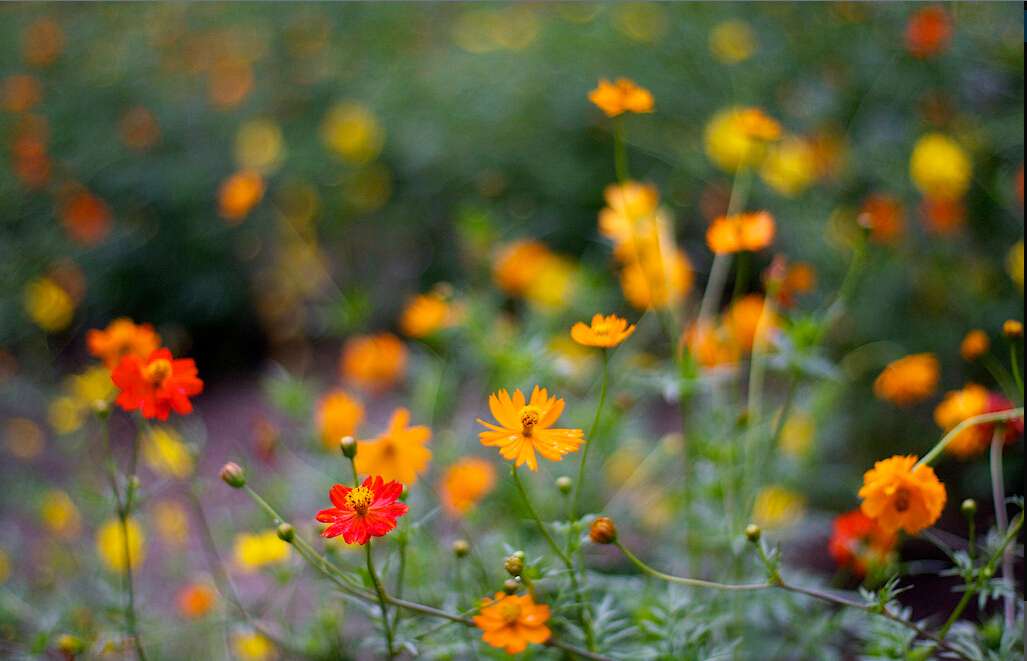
x=983 y=419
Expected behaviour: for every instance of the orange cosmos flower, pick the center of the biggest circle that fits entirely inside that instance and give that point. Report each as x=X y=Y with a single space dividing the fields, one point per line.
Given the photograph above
x=239 y=194
x=791 y=281
x=857 y=542
x=621 y=96
x=711 y=346
x=942 y=215
x=19 y=93
x=525 y=426
x=195 y=600
x=743 y=320
x=884 y=216
x=517 y=264
x=973 y=400
x=122 y=337
x=974 y=345
x=338 y=415
x=399 y=453
x=744 y=231
x=897 y=495
x=632 y=218
x=86 y=218
x=510 y=622
x=425 y=314
x=908 y=380
x=928 y=32
x=157 y=384
x=605 y=332
x=374 y=361
x=465 y=483
x=658 y=279
x=363 y=512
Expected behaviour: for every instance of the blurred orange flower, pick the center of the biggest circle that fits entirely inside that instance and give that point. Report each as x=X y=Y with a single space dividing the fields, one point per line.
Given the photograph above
x=122 y=337
x=195 y=600
x=425 y=314
x=398 y=454
x=928 y=32
x=711 y=345
x=338 y=415
x=858 y=543
x=659 y=279
x=908 y=380
x=516 y=265
x=510 y=622
x=139 y=128
x=943 y=215
x=465 y=483
x=156 y=385
x=743 y=320
x=604 y=331
x=957 y=406
x=621 y=96
x=525 y=427
x=42 y=42
x=744 y=231
x=631 y=218
x=883 y=215
x=793 y=280
x=86 y=218
x=738 y=136
x=20 y=92
x=376 y=361
x=974 y=345
x=897 y=495
x=239 y=194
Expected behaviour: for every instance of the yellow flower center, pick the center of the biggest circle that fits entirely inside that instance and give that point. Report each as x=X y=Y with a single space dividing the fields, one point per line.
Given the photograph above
x=529 y=415
x=157 y=371
x=902 y=499
x=510 y=611
x=360 y=499
x=602 y=328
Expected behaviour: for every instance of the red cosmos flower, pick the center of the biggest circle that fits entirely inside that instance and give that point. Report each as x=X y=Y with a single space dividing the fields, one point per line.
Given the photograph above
x=157 y=384
x=363 y=512
x=858 y=542
x=1013 y=427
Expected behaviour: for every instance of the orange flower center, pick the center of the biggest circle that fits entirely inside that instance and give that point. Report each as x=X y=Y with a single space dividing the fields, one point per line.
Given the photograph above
x=529 y=415
x=510 y=611
x=902 y=499
x=157 y=371
x=360 y=499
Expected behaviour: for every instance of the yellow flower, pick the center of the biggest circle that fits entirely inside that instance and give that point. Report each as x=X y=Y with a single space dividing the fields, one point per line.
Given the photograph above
x=171 y=521
x=778 y=507
x=790 y=166
x=352 y=131
x=974 y=345
x=111 y=543
x=59 y=514
x=797 y=434
x=48 y=305
x=940 y=167
x=398 y=454
x=620 y=97
x=253 y=646
x=67 y=412
x=604 y=331
x=908 y=380
x=259 y=146
x=338 y=415
x=525 y=427
x=255 y=550
x=1014 y=264
x=65 y=415
x=553 y=284
x=166 y=453
x=737 y=137
x=465 y=483
x=732 y=42
x=425 y=314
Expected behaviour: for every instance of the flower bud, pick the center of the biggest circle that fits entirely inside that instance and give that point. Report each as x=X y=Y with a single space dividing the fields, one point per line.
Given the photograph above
x=102 y=408
x=514 y=563
x=1012 y=329
x=286 y=532
x=968 y=508
x=603 y=531
x=753 y=533
x=233 y=475
x=564 y=484
x=349 y=446
x=510 y=586
x=461 y=548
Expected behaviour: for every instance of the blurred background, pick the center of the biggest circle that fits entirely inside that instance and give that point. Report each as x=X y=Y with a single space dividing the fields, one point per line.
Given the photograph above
x=261 y=184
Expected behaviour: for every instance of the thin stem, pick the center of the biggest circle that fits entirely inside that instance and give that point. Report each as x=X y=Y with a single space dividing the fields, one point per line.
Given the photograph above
x=1014 y=361
x=401 y=539
x=590 y=441
x=620 y=153
x=691 y=582
x=383 y=599
x=998 y=494
x=985 y=418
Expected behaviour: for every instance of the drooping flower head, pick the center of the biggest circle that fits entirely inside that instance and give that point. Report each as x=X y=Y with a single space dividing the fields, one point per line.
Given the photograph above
x=525 y=426
x=621 y=96
x=157 y=384
x=744 y=231
x=465 y=483
x=908 y=380
x=897 y=495
x=375 y=362
x=605 y=331
x=363 y=512
x=510 y=622
x=338 y=415
x=859 y=544
x=398 y=454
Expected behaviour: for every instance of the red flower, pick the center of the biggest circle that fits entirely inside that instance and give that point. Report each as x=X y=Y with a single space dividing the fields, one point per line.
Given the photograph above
x=157 y=384
x=1013 y=427
x=363 y=512
x=858 y=542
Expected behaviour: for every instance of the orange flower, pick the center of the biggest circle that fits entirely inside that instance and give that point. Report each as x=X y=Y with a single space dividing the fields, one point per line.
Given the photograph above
x=517 y=264
x=510 y=622
x=525 y=426
x=974 y=345
x=658 y=279
x=374 y=361
x=398 y=454
x=743 y=320
x=122 y=337
x=86 y=218
x=711 y=346
x=632 y=219
x=156 y=385
x=928 y=32
x=897 y=495
x=360 y=513
x=744 y=231
x=195 y=600
x=19 y=92
x=465 y=483
x=957 y=406
x=425 y=314
x=621 y=96
x=338 y=415
x=605 y=332
x=794 y=280
x=942 y=215
x=239 y=194
x=885 y=218
x=908 y=380
x=859 y=543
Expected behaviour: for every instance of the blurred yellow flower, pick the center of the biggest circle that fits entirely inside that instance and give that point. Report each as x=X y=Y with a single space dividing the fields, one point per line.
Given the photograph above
x=166 y=453
x=255 y=550
x=778 y=507
x=5 y=566
x=259 y=146
x=171 y=521
x=790 y=166
x=645 y=22
x=253 y=646
x=553 y=285
x=65 y=415
x=797 y=434
x=338 y=415
x=24 y=439
x=657 y=280
x=59 y=514
x=1014 y=264
x=67 y=412
x=737 y=137
x=732 y=41
x=352 y=131
x=908 y=380
x=496 y=28
x=940 y=167
x=633 y=220
x=48 y=305
x=425 y=314
x=111 y=543
x=974 y=345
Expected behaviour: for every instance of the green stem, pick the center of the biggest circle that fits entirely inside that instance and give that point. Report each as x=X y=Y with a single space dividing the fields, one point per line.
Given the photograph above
x=401 y=539
x=983 y=419
x=620 y=153
x=998 y=493
x=383 y=600
x=590 y=441
x=1014 y=360
x=691 y=582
